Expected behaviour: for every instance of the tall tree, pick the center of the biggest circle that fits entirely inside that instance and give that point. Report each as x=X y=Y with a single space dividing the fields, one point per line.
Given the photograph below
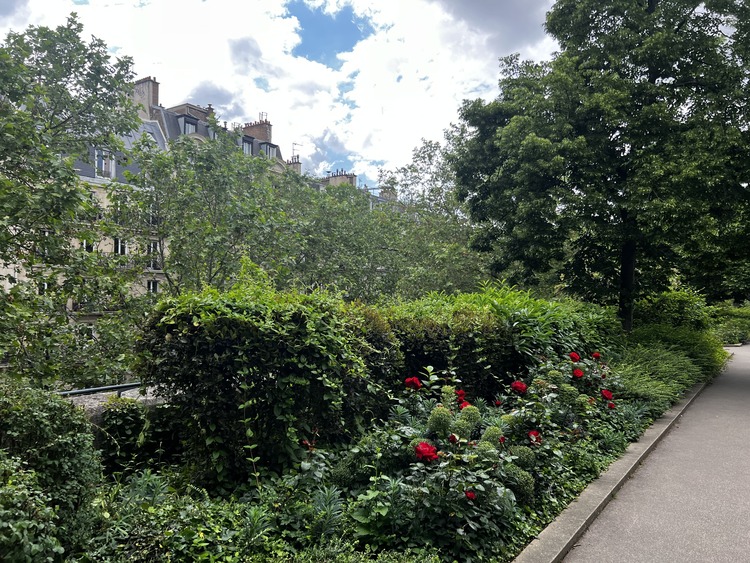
x=436 y=228
x=599 y=163
x=194 y=210
x=59 y=95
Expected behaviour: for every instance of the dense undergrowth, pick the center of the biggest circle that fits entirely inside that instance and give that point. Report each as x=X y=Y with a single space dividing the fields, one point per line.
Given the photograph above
x=301 y=428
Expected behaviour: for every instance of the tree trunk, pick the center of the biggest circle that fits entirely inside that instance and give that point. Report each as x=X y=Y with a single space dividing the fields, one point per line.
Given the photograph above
x=627 y=283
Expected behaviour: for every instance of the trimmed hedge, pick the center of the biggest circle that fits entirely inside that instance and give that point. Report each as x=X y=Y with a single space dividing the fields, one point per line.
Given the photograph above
x=54 y=439
x=28 y=531
x=254 y=374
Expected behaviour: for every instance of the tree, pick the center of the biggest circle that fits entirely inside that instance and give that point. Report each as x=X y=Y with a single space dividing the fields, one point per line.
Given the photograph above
x=599 y=164
x=194 y=210
x=58 y=97
x=343 y=239
x=437 y=230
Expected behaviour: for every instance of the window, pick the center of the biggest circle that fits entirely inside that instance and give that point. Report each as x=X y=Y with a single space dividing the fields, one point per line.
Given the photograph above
x=43 y=287
x=120 y=247
x=87 y=245
x=154 y=258
x=247 y=147
x=269 y=150
x=152 y=286
x=190 y=127
x=105 y=164
x=42 y=244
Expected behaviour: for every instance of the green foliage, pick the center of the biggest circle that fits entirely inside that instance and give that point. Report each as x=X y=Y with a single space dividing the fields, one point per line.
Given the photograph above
x=46 y=343
x=680 y=307
x=451 y=336
x=731 y=324
x=58 y=96
x=656 y=375
x=592 y=166
x=704 y=348
x=440 y=421
x=524 y=456
x=521 y=482
x=148 y=522
x=28 y=531
x=131 y=436
x=54 y=439
x=213 y=207
x=267 y=371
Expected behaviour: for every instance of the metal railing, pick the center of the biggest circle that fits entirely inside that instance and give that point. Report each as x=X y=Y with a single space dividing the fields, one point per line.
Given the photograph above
x=92 y=390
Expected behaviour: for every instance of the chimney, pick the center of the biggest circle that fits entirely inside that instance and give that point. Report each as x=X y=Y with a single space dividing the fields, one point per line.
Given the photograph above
x=295 y=164
x=146 y=94
x=260 y=129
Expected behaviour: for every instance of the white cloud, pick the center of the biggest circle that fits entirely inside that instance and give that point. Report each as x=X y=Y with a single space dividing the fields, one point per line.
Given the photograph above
x=405 y=81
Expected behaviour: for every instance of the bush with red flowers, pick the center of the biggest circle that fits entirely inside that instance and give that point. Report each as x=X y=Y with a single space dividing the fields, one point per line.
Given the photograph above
x=519 y=387
x=534 y=437
x=412 y=383
x=426 y=452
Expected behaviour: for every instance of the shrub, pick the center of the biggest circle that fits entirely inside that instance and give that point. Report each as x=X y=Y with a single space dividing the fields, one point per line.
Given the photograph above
x=700 y=345
x=28 y=532
x=682 y=307
x=731 y=324
x=54 y=439
x=149 y=522
x=453 y=337
x=134 y=436
x=257 y=369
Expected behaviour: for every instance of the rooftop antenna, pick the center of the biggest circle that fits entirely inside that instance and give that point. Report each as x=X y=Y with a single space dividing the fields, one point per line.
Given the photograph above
x=296 y=145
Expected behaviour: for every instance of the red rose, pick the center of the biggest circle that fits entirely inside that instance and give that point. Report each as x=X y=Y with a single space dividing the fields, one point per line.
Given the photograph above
x=607 y=394
x=519 y=387
x=534 y=437
x=426 y=452
x=412 y=383
x=611 y=405
x=461 y=395
x=578 y=373
x=575 y=357
x=498 y=403
x=596 y=355
x=463 y=405
x=453 y=438
x=502 y=439
x=471 y=495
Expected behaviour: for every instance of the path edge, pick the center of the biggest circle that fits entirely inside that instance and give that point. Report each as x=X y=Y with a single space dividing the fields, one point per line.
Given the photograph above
x=560 y=536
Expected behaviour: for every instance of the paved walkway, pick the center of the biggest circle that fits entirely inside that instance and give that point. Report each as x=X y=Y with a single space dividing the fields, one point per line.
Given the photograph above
x=690 y=499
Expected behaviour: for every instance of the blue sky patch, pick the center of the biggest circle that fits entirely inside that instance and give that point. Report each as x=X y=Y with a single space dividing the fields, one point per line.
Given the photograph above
x=323 y=36
x=81 y=2
x=262 y=83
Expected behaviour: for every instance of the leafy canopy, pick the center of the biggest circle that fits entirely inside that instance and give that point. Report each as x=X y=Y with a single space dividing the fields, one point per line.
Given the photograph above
x=601 y=165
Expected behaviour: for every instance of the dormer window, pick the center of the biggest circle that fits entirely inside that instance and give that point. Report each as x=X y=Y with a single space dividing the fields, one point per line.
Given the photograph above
x=190 y=127
x=105 y=164
x=247 y=147
x=269 y=150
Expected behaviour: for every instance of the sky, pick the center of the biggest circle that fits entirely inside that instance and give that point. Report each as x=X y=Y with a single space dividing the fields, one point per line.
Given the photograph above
x=350 y=85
